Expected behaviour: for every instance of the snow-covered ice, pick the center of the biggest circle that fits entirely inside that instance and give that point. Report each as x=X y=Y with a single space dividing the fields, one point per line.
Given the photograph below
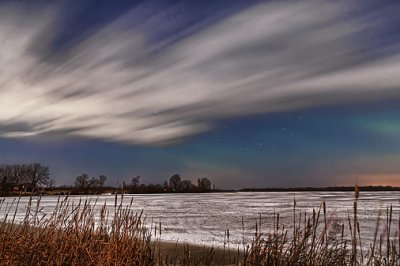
x=203 y=218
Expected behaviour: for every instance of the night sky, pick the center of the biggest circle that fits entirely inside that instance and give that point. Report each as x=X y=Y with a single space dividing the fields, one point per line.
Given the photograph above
x=246 y=93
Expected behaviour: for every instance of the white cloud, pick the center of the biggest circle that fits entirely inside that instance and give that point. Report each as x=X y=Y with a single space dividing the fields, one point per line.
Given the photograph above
x=113 y=86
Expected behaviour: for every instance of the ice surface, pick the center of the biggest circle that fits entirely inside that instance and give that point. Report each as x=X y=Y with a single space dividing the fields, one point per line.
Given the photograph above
x=203 y=218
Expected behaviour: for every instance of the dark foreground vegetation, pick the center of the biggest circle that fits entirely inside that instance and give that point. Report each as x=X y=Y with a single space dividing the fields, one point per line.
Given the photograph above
x=89 y=233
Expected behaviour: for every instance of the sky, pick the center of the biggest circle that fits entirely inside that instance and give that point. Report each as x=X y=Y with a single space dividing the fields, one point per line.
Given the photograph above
x=246 y=93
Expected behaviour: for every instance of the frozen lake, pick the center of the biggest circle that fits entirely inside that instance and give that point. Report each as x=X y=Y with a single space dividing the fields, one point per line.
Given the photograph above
x=203 y=218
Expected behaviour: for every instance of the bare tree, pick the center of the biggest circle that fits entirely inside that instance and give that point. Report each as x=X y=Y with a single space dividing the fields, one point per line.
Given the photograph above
x=5 y=173
x=175 y=182
x=204 y=184
x=82 y=181
x=135 y=182
x=186 y=185
x=165 y=186
x=102 y=180
x=93 y=182
x=38 y=175
x=32 y=175
x=17 y=173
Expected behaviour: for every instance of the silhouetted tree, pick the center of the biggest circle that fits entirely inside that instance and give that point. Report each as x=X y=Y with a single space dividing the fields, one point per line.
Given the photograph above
x=4 y=176
x=102 y=180
x=175 y=182
x=27 y=176
x=38 y=175
x=82 y=181
x=18 y=173
x=186 y=185
x=204 y=184
x=135 y=182
x=165 y=186
x=93 y=182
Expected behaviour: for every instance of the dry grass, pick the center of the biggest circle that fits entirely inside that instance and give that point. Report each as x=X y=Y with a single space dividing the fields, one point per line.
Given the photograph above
x=318 y=240
x=72 y=236
x=89 y=233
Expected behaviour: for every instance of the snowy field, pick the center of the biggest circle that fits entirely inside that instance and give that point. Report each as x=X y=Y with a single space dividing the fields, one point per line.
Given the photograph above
x=203 y=218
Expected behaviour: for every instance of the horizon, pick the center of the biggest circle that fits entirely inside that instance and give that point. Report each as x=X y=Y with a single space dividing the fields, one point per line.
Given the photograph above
x=248 y=94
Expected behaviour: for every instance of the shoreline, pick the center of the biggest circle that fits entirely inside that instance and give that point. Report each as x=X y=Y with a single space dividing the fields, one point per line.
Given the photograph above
x=178 y=250
x=117 y=191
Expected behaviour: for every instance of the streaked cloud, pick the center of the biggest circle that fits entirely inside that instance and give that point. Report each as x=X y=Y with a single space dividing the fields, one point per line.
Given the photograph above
x=116 y=85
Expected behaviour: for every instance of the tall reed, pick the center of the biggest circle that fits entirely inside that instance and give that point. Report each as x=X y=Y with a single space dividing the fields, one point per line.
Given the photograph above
x=75 y=234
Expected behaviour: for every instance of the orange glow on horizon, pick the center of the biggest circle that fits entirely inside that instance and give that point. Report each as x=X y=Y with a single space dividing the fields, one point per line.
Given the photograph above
x=372 y=180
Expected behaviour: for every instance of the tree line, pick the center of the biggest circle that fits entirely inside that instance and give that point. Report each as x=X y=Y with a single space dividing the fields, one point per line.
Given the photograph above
x=175 y=184
x=24 y=176
x=83 y=181
x=84 y=184
x=35 y=176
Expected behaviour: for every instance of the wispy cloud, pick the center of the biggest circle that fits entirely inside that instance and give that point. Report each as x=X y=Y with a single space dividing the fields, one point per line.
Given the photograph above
x=115 y=85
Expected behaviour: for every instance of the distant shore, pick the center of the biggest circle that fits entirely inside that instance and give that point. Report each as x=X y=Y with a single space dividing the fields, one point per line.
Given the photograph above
x=114 y=190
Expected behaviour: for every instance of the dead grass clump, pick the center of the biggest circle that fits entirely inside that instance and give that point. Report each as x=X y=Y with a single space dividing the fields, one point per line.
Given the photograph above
x=75 y=235
x=319 y=240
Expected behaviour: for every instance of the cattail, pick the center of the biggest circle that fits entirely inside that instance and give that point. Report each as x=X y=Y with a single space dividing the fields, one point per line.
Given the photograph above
x=357 y=191
x=243 y=231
